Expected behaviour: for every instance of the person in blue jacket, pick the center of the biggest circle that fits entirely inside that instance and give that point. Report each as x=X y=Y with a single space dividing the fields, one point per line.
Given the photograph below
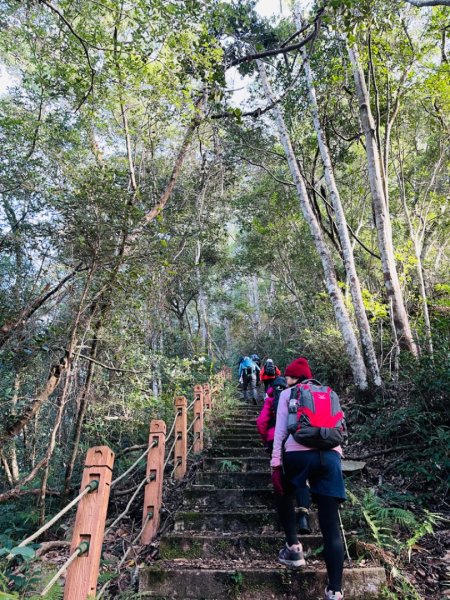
x=247 y=376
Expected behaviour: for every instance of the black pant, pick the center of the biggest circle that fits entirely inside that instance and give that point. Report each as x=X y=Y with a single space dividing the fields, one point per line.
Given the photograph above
x=268 y=383
x=249 y=383
x=329 y=526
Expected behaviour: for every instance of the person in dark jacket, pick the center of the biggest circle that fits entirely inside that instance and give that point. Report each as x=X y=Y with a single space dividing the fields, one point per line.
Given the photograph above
x=269 y=373
x=292 y=466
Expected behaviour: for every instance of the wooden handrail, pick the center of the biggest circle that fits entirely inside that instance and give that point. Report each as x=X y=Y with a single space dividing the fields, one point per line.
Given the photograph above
x=82 y=574
x=180 y=450
x=83 y=570
x=153 y=489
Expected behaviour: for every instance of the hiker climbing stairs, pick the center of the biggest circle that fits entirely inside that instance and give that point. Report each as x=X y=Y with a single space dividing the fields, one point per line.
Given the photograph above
x=226 y=536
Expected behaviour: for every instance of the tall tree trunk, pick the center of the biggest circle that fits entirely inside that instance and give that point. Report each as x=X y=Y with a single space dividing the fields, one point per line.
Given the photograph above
x=65 y=393
x=254 y=299
x=382 y=218
x=6 y=468
x=84 y=400
x=419 y=267
x=204 y=329
x=12 y=450
x=342 y=228
x=342 y=317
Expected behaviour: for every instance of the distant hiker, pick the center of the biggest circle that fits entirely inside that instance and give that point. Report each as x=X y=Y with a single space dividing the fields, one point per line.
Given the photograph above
x=255 y=358
x=247 y=376
x=268 y=373
x=312 y=414
x=267 y=418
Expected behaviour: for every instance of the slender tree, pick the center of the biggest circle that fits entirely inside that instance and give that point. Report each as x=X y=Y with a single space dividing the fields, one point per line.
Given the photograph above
x=382 y=218
x=335 y=294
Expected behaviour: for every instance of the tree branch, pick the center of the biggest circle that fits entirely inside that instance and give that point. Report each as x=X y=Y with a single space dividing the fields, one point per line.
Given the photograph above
x=352 y=233
x=164 y=198
x=282 y=49
x=8 y=328
x=82 y=42
x=109 y=368
x=282 y=181
x=17 y=491
x=422 y=3
x=53 y=380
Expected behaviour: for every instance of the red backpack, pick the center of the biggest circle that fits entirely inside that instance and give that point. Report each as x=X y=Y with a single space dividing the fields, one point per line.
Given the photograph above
x=315 y=416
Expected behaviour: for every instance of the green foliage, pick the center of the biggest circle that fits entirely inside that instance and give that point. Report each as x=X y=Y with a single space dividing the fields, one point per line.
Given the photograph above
x=396 y=532
x=228 y=466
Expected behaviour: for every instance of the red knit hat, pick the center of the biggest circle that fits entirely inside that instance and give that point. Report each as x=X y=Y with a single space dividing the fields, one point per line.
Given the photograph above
x=298 y=368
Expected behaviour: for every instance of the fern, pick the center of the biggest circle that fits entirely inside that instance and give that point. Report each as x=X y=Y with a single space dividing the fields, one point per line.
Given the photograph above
x=228 y=466
x=383 y=523
x=426 y=527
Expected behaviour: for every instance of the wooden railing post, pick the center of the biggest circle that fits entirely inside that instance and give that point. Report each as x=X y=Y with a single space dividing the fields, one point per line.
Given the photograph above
x=206 y=396
x=180 y=451
x=198 y=416
x=155 y=476
x=82 y=574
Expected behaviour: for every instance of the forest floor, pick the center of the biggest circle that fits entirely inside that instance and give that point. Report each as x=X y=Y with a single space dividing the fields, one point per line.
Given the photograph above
x=429 y=567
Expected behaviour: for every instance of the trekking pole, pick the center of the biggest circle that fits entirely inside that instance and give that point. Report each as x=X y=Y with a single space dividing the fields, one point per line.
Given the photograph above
x=345 y=539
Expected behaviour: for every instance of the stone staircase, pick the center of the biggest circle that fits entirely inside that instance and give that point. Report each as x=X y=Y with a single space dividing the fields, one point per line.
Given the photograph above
x=226 y=537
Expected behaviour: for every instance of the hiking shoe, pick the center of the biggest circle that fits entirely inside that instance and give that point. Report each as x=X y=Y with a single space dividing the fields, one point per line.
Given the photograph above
x=304 y=528
x=292 y=556
x=330 y=595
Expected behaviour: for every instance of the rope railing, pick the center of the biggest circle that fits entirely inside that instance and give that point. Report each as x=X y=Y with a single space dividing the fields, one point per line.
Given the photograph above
x=89 y=528
x=133 y=466
x=192 y=424
x=169 y=454
x=191 y=447
x=92 y=486
x=130 y=502
x=172 y=429
x=177 y=464
x=125 y=555
x=79 y=550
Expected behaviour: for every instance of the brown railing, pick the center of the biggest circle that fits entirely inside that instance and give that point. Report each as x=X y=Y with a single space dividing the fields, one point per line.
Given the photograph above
x=83 y=564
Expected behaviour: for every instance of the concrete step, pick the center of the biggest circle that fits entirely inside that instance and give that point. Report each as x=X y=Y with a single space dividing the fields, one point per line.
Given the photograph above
x=242 y=419
x=255 y=521
x=243 y=439
x=230 y=520
x=213 y=545
x=170 y=580
x=239 y=442
x=234 y=427
x=203 y=496
x=228 y=480
x=237 y=463
x=233 y=449
x=226 y=434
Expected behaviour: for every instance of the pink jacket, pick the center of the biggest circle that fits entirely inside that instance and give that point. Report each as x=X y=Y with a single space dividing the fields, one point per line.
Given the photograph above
x=262 y=422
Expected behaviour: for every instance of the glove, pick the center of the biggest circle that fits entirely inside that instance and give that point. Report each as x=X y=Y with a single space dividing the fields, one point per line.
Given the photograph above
x=241 y=381
x=277 y=480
